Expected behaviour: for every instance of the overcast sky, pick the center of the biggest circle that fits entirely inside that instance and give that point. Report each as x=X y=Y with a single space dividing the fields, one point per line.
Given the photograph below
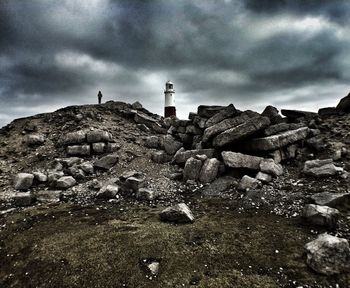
x=288 y=53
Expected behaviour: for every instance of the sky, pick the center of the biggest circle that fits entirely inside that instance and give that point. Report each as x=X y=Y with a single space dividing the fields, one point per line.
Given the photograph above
x=292 y=54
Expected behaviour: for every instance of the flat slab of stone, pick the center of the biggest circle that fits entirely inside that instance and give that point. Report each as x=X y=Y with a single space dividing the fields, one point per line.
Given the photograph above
x=208 y=111
x=276 y=142
x=334 y=200
x=223 y=114
x=269 y=166
x=179 y=213
x=96 y=136
x=48 y=196
x=321 y=168
x=241 y=131
x=183 y=155
x=79 y=150
x=106 y=162
x=281 y=127
x=239 y=160
x=77 y=137
x=295 y=114
x=22 y=199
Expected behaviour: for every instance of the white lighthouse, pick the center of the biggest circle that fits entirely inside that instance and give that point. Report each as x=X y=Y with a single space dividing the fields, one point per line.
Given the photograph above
x=169 y=107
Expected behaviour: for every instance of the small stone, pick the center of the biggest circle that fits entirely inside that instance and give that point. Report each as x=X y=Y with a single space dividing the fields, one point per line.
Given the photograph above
x=152 y=142
x=87 y=167
x=135 y=183
x=96 y=136
x=35 y=139
x=179 y=213
x=23 y=181
x=106 y=162
x=40 y=177
x=146 y=194
x=321 y=168
x=79 y=150
x=77 y=137
x=99 y=147
x=248 y=183
x=263 y=177
x=136 y=105
x=48 y=196
x=108 y=192
x=65 y=182
x=269 y=166
x=334 y=200
x=192 y=169
x=321 y=215
x=161 y=157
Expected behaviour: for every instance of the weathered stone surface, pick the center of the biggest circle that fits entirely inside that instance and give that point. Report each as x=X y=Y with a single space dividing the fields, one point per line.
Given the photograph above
x=171 y=146
x=53 y=176
x=328 y=255
x=146 y=194
x=77 y=137
x=239 y=160
x=135 y=183
x=273 y=114
x=248 y=183
x=23 y=181
x=35 y=139
x=106 y=162
x=321 y=168
x=276 y=142
x=220 y=186
x=295 y=114
x=98 y=148
x=182 y=155
x=241 y=131
x=263 y=177
x=193 y=130
x=22 y=199
x=321 y=215
x=108 y=192
x=316 y=143
x=269 y=166
x=136 y=105
x=208 y=111
x=40 y=177
x=200 y=121
x=192 y=169
x=79 y=150
x=344 y=104
x=143 y=128
x=224 y=125
x=87 y=167
x=209 y=170
x=65 y=182
x=152 y=142
x=287 y=152
x=334 y=200
x=328 y=111
x=281 y=127
x=227 y=112
x=70 y=161
x=179 y=213
x=161 y=157
x=112 y=147
x=48 y=196
x=141 y=118
x=96 y=136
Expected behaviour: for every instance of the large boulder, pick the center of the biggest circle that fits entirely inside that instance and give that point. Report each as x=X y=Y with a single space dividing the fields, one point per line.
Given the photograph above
x=182 y=155
x=106 y=162
x=327 y=111
x=77 y=137
x=65 y=182
x=321 y=168
x=179 y=213
x=192 y=169
x=227 y=112
x=171 y=146
x=96 y=136
x=321 y=215
x=239 y=160
x=23 y=181
x=328 y=255
x=276 y=142
x=209 y=170
x=344 y=104
x=141 y=118
x=241 y=131
x=208 y=111
x=269 y=166
x=331 y=199
x=273 y=114
x=79 y=150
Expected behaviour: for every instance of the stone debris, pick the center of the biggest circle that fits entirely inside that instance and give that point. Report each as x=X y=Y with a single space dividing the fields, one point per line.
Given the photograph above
x=146 y=194
x=270 y=167
x=161 y=157
x=321 y=215
x=22 y=199
x=106 y=162
x=209 y=170
x=192 y=169
x=48 y=196
x=179 y=213
x=239 y=160
x=263 y=177
x=328 y=255
x=65 y=182
x=35 y=139
x=334 y=200
x=108 y=192
x=40 y=177
x=23 y=181
x=321 y=168
x=248 y=183
x=182 y=155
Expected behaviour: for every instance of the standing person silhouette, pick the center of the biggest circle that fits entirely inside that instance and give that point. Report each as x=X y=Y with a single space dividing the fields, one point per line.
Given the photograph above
x=99 y=96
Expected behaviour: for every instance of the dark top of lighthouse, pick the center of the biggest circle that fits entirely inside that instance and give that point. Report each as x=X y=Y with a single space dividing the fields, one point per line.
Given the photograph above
x=169 y=85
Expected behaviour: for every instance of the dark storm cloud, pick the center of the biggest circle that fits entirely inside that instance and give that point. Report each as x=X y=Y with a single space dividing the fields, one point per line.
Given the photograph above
x=56 y=53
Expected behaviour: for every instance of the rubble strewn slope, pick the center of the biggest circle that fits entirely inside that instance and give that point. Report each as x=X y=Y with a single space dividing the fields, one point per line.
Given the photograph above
x=112 y=195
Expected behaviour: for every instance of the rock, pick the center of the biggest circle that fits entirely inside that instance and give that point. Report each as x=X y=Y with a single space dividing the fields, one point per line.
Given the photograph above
x=334 y=200
x=248 y=183
x=321 y=168
x=328 y=255
x=48 y=196
x=182 y=155
x=53 y=176
x=328 y=111
x=77 y=137
x=276 y=142
x=146 y=194
x=135 y=183
x=269 y=166
x=321 y=215
x=223 y=114
x=192 y=169
x=79 y=150
x=295 y=114
x=112 y=147
x=208 y=111
x=273 y=114
x=23 y=181
x=220 y=186
x=179 y=213
x=132 y=173
x=209 y=170
x=106 y=162
x=161 y=157
x=241 y=131
x=76 y=173
x=344 y=105
x=152 y=142
x=96 y=136
x=281 y=127
x=193 y=130
x=143 y=128
x=87 y=167
x=136 y=105
x=98 y=148
x=224 y=125
x=141 y=118
x=263 y=177
x=200 y=121
x=65 y=182
x=108 y=192
x=40 y=177
x=153 y=267
x=239 y=160
x=202 y=157
x=171 y=146
x=316 y=143
x=68 y=162
x=22 y=199
x=35 y=139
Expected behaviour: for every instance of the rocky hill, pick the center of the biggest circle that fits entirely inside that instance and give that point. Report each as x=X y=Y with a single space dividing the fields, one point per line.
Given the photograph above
x=112 y=195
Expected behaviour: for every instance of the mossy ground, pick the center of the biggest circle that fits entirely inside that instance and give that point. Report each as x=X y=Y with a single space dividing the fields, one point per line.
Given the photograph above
x=103 y=246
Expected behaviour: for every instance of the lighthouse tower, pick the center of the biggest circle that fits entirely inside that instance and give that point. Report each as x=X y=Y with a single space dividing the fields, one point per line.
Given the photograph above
x=169 y=107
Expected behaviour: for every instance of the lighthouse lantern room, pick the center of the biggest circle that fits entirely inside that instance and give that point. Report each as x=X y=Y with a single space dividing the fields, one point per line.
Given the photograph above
x=169 y=107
